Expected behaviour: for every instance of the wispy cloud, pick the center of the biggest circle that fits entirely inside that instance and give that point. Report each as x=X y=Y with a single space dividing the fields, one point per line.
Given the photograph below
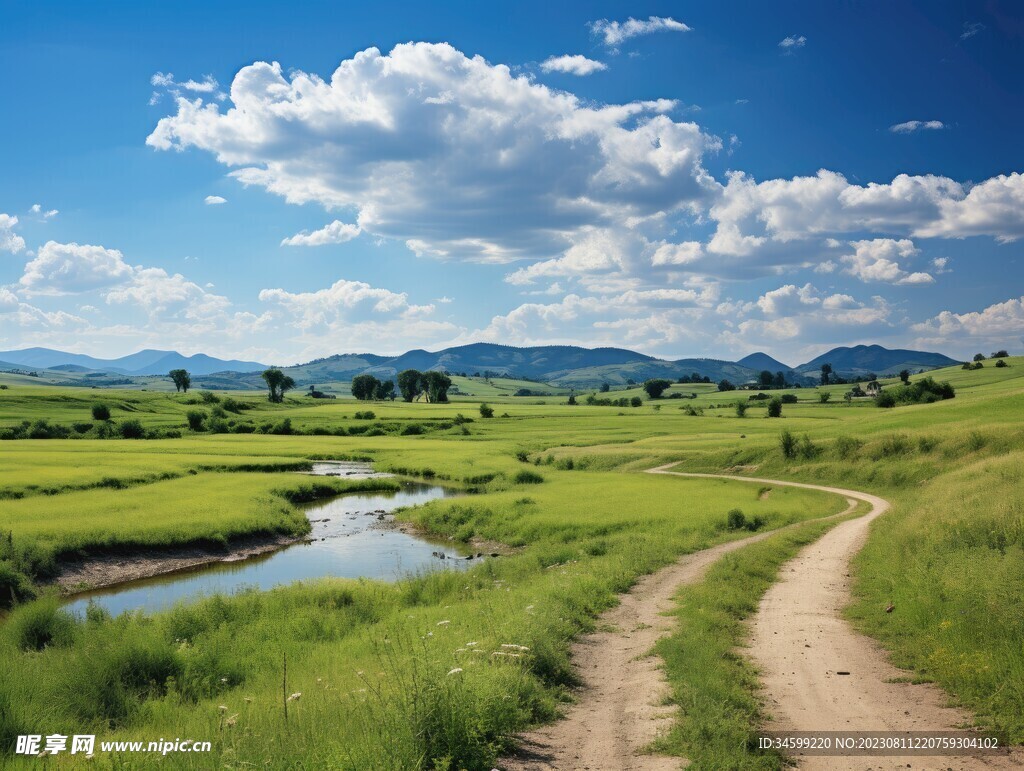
x=572 y=64
x=214 y=200
x=791 y=43
x=911 y=126
x=46 y=215
x=616 y=32
x=971 y=28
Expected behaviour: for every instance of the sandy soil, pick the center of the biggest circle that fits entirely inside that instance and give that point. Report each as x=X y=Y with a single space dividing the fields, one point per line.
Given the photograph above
x=619 y=712
x=106 y=570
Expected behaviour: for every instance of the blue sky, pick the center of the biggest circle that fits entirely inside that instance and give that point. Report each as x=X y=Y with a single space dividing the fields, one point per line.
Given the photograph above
x=706 y=179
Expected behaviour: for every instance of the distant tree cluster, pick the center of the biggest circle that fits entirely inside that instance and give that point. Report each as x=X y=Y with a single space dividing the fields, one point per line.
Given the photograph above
x=277 y=383
x=181 y=379
x=432 y=385
x=368 y=388
x=924 y=391
x=656 y=387
x=694 y=378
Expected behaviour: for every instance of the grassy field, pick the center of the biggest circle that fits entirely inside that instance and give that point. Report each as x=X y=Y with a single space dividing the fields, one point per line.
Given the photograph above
x=387 y=672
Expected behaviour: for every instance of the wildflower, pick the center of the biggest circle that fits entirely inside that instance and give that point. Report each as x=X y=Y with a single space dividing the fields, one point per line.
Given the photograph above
x=222 y=708
x=248 y=699
x=471 y=644
x=295 y=696
x=231 y=720
x=510 y=646
x=455 y=671
x=223 y=679
x=443 y=623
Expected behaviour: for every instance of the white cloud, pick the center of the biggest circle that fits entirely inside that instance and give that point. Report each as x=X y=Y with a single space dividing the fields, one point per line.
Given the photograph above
x=336 y=232
x=878 y=259
x=911 y=126
x=46 y=215
x=214 y=200
x=73 y=268
x=430 y=146
x=685 y=253
x=791 y=43
x=994 y=207
x=165 y=295
x=1000 y=325
x=9 y=240
x=615 y=32
x=574 y=64
x=166 y=80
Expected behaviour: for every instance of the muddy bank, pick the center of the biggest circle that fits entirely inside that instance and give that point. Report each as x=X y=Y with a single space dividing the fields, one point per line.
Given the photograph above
x=100 y=571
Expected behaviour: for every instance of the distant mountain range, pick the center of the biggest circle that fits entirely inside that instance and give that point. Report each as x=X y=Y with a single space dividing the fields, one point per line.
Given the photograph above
x=147 y=362
x=562 y=365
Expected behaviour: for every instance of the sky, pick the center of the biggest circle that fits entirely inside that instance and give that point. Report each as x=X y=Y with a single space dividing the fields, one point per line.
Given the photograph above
x=281 y=182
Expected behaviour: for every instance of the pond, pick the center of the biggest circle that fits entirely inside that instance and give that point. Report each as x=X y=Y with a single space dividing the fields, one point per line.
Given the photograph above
x=353 y=536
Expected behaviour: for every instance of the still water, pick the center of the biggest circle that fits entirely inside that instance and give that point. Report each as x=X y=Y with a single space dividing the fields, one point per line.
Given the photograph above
x=348 y=542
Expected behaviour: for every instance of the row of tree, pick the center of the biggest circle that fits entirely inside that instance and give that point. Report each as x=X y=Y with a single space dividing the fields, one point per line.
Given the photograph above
x=413 y=385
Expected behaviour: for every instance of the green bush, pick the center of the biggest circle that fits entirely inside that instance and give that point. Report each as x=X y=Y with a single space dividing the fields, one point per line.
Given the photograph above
x=486 y=411
x=527 y=477
x=741 y=409
x=100 y=412
x=208 y=397
x=775 y=408
x=410 y=429
x=195 y=419
x=735 y=520
x=365 y=415
x=39 y=625
x=787 y=442
x=131 y=429
x=789 y=398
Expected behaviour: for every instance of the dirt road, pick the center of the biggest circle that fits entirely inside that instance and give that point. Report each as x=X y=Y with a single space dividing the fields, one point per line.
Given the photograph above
x=800 y=642
x=619 y=712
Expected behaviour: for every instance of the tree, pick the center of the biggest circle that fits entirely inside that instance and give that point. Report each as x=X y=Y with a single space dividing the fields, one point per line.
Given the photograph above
x=979 y=357
x=100 y=412
x=182 y=380
x=787 y=442
x=826 y=370
x=741 y=409
x=725 y=385
x=824 y=396
x=656 y=387
x=409 y=383
x=605 y=388
x=486 y=411
x=1000 y=364
x=775 y=408
x=572 y=399
x=766 y=379
x=195 y=419
x=636 y=401
x=364 y=387
x=905 y=376
x=1000 y=354
x=780 y=380
x=436 y=385
x=277 y=383
x=384 y=391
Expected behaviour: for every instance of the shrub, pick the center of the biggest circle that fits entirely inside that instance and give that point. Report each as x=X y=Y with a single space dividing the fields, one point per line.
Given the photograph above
x=219 y=412
x=208 y=397
x=195 y=419
x=100 y=412
x=636 y=401
x=689 y=409
x=847 y=447
x=15 y=586
x=235 y=406
x=787 y=442
x=411 y=429
x=775 y=408
x=82 y=428
x=824 y=396
x=807 y=448
x=885 y=399
x=741 y=409
x=39 y=625
x=735 y=520
x=244 y=428
x=365 y=415
x=527 y=477
x=1000 y=364
x=218 y=426
x=486 y=411
x=284 y=428
x=788 y=398
x=132 y=429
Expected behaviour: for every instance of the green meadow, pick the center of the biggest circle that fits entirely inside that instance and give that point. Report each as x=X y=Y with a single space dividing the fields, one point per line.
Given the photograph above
x=441 y=670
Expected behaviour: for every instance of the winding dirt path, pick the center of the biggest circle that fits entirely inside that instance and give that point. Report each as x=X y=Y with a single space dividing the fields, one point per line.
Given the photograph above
x=801 y=643
x=620 y=709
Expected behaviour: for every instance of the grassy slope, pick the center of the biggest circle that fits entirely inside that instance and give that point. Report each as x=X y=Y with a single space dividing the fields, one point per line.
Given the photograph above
x=953 y=540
